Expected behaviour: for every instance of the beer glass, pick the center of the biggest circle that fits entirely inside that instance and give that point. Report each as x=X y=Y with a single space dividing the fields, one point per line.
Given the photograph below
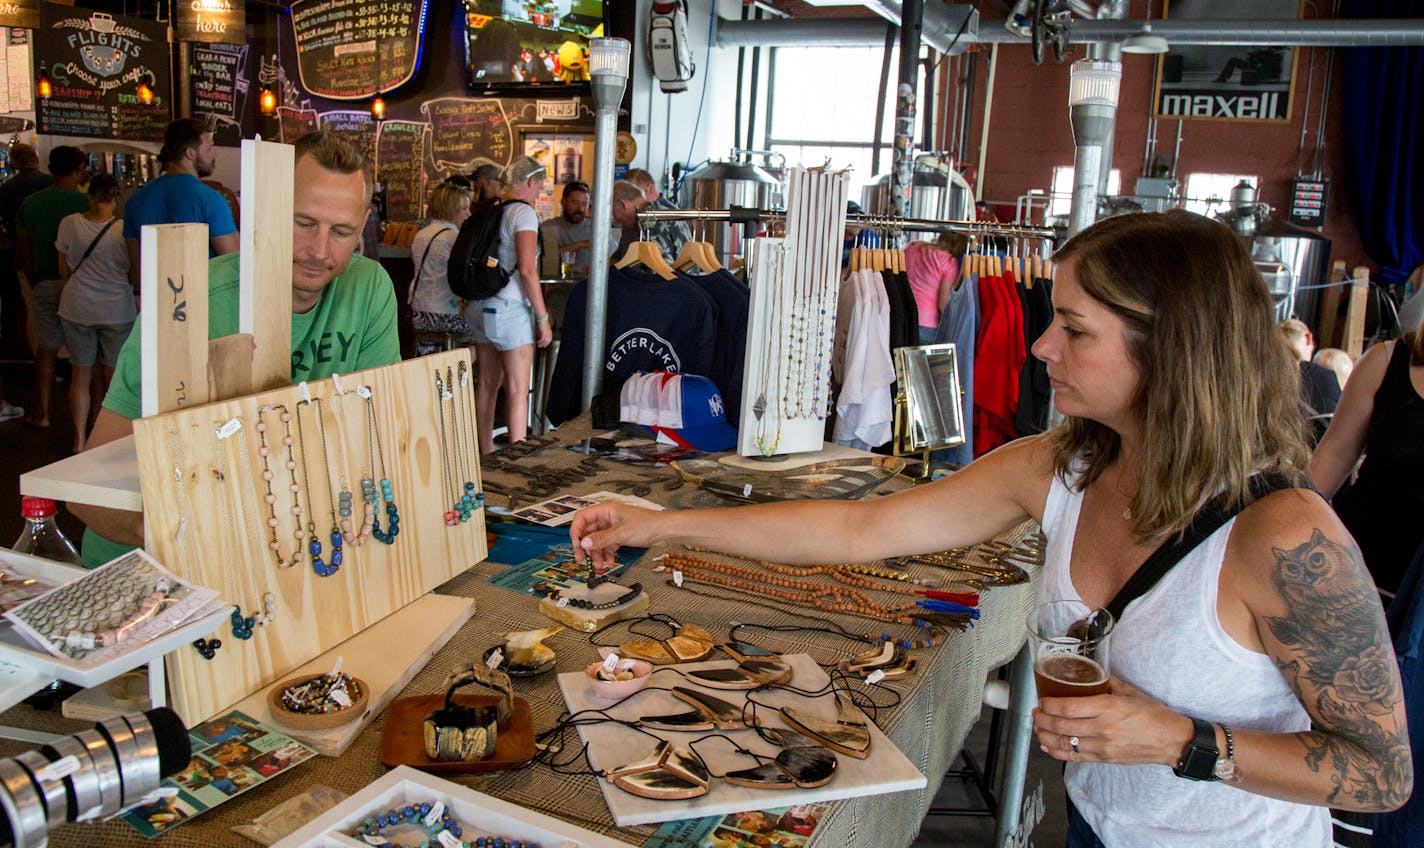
x=1069 y=641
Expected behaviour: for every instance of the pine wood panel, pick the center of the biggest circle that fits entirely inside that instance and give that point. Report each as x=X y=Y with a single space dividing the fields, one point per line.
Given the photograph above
x=174 y=316
x=266 y=255
x=212 y=491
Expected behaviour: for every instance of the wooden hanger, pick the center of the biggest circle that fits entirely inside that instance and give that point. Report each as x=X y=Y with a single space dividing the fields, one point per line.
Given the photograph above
x=651 y=256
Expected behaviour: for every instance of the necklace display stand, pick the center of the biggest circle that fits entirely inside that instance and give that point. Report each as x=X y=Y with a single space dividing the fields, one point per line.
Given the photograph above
x=380 y=589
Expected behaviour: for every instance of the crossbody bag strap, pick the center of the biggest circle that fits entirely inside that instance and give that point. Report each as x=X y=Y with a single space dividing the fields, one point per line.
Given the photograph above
x=1206 y=522
x=92 y=245
x=420 y=269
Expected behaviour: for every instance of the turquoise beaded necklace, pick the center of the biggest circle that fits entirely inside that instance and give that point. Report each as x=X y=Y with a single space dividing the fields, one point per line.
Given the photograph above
x=441 y=829
x=319 y=565
x=368 y=487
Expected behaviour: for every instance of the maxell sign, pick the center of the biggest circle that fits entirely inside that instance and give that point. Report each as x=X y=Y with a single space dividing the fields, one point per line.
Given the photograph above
x=1264 y=105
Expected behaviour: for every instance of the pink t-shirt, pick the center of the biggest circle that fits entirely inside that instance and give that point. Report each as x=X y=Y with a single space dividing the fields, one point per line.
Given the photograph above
x=927 y=267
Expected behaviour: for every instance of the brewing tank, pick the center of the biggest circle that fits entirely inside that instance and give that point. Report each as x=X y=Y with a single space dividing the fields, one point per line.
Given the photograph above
x=938 y=192
x=1305 y=255
x=722 y=185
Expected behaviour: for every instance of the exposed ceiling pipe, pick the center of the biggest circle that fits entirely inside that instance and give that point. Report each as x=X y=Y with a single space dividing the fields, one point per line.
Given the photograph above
x=955 y=25
x=947 y=27
x=1401 y=32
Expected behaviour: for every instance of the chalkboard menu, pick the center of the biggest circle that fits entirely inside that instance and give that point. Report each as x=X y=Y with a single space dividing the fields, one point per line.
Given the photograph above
x=218 y=89
x=359 y=128
x=214 y=21
x=95 y=61
x=400 y=168
x=344 y=46
x=465 y=131
x=295 y=123
x=24 y=14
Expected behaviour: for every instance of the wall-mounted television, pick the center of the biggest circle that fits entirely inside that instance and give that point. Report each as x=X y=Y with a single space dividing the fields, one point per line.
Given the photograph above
x=530 y=47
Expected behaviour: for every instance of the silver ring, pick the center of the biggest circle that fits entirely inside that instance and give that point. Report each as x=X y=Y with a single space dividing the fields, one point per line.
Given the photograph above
x=1073 y=740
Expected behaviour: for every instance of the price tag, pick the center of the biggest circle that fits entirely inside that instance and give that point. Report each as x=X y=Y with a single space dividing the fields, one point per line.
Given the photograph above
x=495 y=659
x=677 y=579
x=375 y=839
x=336 y=381
x=363 y=392
x=563 y=602
x=610 y=662
x=464 y=379
x=875 y=677
x=59 y=769
x=436 y=813
x=445 y=395
x=449 y=840
x=336 y=669
x=340 y=697
x=229 y=428
x=304 y=391
x=747 y=490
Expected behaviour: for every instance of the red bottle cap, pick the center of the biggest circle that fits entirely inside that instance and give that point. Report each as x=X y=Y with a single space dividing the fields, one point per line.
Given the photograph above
x=37 y=507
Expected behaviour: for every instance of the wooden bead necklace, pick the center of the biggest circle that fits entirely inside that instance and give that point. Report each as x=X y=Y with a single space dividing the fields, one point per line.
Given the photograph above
x=264 y=450
x=387 y=494
x=319 y=565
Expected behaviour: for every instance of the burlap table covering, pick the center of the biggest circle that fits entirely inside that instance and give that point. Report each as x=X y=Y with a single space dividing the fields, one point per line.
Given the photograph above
x=939 y=703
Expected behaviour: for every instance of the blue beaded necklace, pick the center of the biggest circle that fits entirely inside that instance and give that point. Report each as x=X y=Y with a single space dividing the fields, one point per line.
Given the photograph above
x=319 y=566
x=419 y=815
x=368 y=487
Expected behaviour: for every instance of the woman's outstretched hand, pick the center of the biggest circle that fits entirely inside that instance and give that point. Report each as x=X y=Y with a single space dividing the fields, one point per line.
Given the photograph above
x=599 y=531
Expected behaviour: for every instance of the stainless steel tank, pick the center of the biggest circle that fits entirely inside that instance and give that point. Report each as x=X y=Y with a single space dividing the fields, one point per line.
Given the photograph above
x=722 y=185
x=1305 y=255
x=938 y=192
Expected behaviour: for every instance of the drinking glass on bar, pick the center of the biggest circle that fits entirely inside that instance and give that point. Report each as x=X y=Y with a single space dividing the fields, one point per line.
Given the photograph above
x=1069 y=641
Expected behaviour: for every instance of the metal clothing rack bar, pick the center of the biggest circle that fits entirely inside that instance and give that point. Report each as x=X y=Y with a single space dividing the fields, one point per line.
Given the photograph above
x=751 y=215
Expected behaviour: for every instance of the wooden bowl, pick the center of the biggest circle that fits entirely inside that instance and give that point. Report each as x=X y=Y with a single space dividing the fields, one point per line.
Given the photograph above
x=616 y=690
x=315 y=721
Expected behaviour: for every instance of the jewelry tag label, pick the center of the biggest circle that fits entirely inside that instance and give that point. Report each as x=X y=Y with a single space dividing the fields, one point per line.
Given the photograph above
x=495 y=659
x=875 y=677
x=464 y=379
x=340 y=697
x=375 y=839
x=229 y=428
x=336 y=669
x=449 y=840
x=59 y=769
x=563 y=602
x=677 y=579
x=444 y=395
x=747 y=490
x=363 y=393
x=610 y=662
x=436 y=812
x=304 y=391
x=336 y=381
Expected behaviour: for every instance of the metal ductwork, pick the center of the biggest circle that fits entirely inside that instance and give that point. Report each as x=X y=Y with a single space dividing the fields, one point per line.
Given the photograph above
x=948 y=28
x=1403 y=32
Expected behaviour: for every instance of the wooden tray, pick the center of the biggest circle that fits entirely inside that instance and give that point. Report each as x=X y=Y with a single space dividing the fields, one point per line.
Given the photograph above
x=403 y=735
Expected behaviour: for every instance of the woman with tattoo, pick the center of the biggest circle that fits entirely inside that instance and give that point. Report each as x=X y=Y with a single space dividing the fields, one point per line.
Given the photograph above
x=1262 y=658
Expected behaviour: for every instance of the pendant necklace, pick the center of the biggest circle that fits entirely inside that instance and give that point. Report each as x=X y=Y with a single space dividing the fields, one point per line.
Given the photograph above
x=242 y=625
x=472 y=500
x=344 y=502
x=264 y=450
x=772 y=376
x=314 y=540
x=378 y=455
x=441 y=396
x=206 y=648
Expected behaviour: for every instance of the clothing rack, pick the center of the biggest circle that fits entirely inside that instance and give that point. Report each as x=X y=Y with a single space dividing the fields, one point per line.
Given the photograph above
x=751 y=215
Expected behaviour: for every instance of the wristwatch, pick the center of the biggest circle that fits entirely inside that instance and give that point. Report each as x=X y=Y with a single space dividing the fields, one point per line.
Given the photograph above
x=1198 y=761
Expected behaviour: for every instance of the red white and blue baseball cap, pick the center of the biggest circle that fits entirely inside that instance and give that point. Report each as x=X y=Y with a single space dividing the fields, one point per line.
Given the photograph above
x=685 y=408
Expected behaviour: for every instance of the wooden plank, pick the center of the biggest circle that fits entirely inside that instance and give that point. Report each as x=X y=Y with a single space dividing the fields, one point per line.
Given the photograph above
x=230 y=358
x=1355 y=312
x=174 y=316
x=387 y=656
x=265 y=264
x=224 y=541
x=1330 y=308
x=102 y=476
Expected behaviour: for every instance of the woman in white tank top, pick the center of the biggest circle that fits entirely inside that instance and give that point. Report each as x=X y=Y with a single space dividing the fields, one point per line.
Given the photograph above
x=1266 y=643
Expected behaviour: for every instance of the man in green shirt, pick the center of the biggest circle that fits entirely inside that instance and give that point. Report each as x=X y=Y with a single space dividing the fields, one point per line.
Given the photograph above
x=343 y=311
x=37 y=224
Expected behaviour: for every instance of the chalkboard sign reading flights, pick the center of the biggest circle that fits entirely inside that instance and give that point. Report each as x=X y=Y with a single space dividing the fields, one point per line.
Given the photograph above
x=212 y=21
x=218 y=89
x=465 y=132
x=345 y=46
x=95 y=61
x=400 y=168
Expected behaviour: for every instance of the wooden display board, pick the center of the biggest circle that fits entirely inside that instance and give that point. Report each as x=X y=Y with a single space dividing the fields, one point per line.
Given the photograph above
x=207 y=519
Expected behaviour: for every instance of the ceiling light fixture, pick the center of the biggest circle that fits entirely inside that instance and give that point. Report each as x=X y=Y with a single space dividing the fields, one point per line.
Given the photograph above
x=1145 y=42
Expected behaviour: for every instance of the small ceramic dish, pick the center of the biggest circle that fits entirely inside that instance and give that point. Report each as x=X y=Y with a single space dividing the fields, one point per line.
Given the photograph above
x=615 y=690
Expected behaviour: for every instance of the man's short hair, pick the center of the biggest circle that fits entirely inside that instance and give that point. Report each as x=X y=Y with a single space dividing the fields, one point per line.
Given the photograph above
x=24 y=157
x=577 y=185
x=104 y=188
x=181 y=136
x=66 y=161
x=640 y=178
x=335 y=153
x=626 y=190
x=487 y=172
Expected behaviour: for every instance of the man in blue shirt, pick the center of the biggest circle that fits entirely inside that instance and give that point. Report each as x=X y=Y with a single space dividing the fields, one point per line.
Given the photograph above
x=179 y=196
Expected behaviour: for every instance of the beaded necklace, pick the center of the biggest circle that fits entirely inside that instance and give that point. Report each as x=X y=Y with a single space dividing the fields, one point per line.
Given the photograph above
x=441 y=829
x=767 y=443
x=452 y=516
x=378 y=455
x=471 y=500
x=264 y=450
x=242 y=625
x=585 y=604
x=344 y=502
x=319 y=566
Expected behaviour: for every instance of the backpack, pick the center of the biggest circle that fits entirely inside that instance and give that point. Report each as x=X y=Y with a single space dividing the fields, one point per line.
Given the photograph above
x=474 y=272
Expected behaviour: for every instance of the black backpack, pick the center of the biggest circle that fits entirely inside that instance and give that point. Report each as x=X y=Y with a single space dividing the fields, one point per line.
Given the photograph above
x=474 y=272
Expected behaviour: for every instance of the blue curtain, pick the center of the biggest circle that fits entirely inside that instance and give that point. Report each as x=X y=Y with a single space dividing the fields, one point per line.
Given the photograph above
x=1384 y=147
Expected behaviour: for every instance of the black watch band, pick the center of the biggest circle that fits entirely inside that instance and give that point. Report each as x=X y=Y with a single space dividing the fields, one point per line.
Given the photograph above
x=1199 y=759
